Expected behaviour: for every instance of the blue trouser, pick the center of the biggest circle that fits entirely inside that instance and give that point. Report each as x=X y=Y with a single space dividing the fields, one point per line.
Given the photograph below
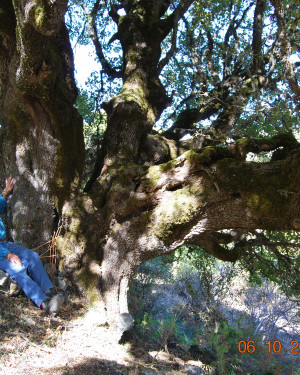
x=38 y=281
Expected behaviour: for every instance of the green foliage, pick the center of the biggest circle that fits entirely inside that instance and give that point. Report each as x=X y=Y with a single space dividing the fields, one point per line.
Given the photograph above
x=86 y=106
x=209 y=50
x=202 y=324
x=154 y=270
x=196 y=267
x=269 y=113
x=280 y=266
x=147 y=275
x=224 y=341
x=171 y=328
x=74 y=17
x=276 y=257
x=77 y=23
x=167 y=329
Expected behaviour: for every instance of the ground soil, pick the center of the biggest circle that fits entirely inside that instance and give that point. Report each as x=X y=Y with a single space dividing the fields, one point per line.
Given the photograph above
x=33 y=343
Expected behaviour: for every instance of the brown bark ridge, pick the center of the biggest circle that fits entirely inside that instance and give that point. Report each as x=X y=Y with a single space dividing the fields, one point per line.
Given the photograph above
x=42 y=141
x=152 y=195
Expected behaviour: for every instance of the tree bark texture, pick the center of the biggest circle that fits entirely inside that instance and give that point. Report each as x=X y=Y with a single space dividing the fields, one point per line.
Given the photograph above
x=42 y=142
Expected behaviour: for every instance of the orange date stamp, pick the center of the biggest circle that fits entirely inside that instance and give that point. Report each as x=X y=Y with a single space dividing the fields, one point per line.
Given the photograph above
x=271 y=347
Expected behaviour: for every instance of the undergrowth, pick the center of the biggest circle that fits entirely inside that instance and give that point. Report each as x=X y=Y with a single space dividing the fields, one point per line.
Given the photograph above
x=204 y=310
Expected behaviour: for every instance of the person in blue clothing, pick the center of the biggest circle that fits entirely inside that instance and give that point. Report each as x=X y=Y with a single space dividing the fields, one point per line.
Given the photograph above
x=25 y=267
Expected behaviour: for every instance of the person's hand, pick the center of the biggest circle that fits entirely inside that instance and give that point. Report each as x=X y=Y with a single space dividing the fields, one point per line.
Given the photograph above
x=14 y=259
x=9 y=185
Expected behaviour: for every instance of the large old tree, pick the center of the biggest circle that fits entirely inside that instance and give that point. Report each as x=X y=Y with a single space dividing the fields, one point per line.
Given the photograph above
x=214 y=70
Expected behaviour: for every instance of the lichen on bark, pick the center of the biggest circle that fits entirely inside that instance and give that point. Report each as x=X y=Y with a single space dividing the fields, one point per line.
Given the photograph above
x=40 y=127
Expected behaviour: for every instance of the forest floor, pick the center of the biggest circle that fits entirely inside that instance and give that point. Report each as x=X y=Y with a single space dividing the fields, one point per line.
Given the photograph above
x=32 y=343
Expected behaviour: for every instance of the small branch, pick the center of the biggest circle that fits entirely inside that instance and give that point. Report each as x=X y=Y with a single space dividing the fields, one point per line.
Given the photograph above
x=167 y=24
x=114 y=13
x=209 y=242
x=92 y=29
x=286 y=49
x=257 y=42
x=172 y=49
x=212 y=180
x=28 y=341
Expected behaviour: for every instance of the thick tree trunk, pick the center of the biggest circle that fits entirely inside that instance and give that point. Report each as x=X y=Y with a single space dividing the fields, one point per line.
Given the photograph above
x=132 y=114
x=42 y=142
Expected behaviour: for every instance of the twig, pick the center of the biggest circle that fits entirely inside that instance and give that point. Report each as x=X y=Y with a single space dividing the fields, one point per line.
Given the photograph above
x=176 y=317
x=38 y=247
x=52 y=249
x=212 y=180
x=28 y=341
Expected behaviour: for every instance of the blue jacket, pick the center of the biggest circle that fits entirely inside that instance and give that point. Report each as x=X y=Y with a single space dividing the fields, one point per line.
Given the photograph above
x=3 y=250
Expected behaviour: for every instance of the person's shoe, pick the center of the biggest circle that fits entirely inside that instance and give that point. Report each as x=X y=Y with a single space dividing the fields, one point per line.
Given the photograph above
x=50 y=292
x=52 y=305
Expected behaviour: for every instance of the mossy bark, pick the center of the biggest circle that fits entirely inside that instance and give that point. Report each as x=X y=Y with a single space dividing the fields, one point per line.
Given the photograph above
x=41 y=132
x=132 y=114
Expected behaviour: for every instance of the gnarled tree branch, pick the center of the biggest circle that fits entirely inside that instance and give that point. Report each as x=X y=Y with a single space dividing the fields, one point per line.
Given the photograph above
x=92 y=29
x=286 y=50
